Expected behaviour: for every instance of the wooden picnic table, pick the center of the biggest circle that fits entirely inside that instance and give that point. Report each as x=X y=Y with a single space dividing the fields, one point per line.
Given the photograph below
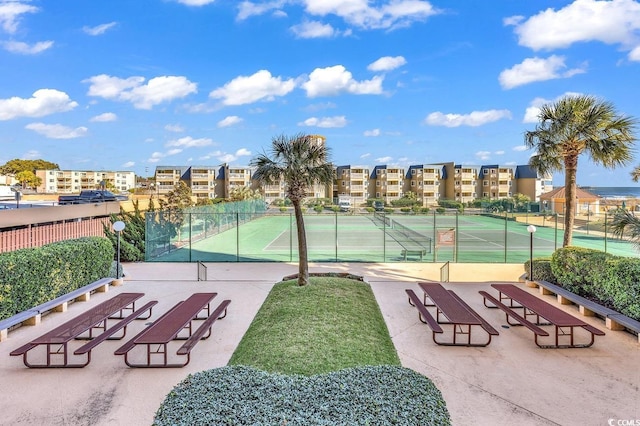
x=545 y=314
x=451 y=309
x=168 y=328
x=96 y=318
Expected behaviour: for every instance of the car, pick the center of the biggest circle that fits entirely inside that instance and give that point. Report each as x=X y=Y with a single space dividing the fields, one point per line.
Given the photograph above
x=378 y=206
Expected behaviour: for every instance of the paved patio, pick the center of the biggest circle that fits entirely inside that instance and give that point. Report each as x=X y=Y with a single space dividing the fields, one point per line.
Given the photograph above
x=511 y=381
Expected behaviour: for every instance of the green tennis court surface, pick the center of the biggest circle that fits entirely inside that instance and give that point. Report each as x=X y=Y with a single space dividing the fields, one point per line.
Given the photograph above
x=368 y=238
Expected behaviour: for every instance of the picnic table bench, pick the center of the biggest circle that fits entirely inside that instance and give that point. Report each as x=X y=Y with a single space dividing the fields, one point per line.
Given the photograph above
x=166 y=329
x=451 y=310
x=543 y=313
x=33 y=315
x=82 y=326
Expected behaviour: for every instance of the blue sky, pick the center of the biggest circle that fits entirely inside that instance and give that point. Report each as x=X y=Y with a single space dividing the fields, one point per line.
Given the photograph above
x=130 y=85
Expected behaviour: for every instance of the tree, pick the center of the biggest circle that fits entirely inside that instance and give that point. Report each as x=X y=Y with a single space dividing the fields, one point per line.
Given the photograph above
x=15 y=166
x=576 y=125
x=300 y=162
x=28 y=179
x=172 y=207
x=623 y=222
x=132 y=238
x=241 y=193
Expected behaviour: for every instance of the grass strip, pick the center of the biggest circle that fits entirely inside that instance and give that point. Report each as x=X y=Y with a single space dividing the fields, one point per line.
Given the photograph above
x=330 y=324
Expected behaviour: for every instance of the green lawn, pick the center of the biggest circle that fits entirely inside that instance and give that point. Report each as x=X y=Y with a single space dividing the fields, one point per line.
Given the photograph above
x=328 y=325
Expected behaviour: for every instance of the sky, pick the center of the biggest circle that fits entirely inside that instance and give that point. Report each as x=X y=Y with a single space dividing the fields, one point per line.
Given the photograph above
x=132 y=85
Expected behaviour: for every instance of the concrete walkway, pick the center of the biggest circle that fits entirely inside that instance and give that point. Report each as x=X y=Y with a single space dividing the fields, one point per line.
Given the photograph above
x=511 y=381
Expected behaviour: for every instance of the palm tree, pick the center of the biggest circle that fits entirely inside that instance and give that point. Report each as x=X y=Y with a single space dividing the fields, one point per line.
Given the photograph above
x=576 y=125
x=300 y=162
x=625 y=221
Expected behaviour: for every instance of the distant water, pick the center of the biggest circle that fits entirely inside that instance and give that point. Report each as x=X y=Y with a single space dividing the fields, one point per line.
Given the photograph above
x=614 y=191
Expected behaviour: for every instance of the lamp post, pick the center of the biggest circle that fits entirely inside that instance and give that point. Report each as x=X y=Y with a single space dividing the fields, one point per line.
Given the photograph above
x=531 y=229
x=118 y=227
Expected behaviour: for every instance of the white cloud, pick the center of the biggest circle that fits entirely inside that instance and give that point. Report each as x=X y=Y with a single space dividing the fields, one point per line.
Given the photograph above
x=129 y=164
x=247 y=9
x=474 y=119
x=499 y=152
x=43 y=102
x=142 y=96
x=57 y=131
x=634 y=55
x=104 y=117
x=175 y=128
x=384 y=159
x=314 y=29
x=196 y=2
x=536 y=69
x=248 y=89
x=32 y=154
x=394 y=14
x=157 y=156
x=189 y=142
x=25 y=48
x=367 y=155
x=98 y=29
x=10 y=12
x=610 y=22
x=229 y=121
x=225 y=157
x=483 y=155
x=387 y=63
x=373 y=132
x=332 y=81
x=520 y=148
x=326 y=122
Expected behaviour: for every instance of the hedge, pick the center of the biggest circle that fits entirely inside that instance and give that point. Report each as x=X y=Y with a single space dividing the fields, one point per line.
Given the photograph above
x=612 y=281
x=29 y=277
x=240 y=395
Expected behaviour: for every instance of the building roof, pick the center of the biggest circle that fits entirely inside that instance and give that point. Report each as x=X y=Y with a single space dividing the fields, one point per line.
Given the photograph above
x=525 y=172
x=559 y=193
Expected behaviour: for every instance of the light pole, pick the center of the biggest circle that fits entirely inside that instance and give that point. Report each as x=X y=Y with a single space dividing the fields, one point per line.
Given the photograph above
x=531 y=229
x=118 y=227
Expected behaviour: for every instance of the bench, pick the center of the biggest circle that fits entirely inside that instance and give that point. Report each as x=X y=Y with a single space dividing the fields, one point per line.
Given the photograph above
x=56 y=341
x=33 y=316
x=451 y=310
x=166 y=329
x=613 y=319
x=564 y=323
x=413 y=252
x=511 y=313
x=423 y=314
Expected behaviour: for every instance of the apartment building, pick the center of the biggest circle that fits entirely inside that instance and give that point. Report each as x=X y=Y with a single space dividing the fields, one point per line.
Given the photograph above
x=389 y=182
x=352 y=182
x=74 y=181
x=497 y=181
x=430 y=182
x=427 y=181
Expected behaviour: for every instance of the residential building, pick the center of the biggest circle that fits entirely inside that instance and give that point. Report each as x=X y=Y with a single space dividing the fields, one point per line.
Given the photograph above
x=168 y=176
x=497 y=181
x=352 y=182
x=74 y=181
x=427 y=181
x=389 y=183
x=203 y=181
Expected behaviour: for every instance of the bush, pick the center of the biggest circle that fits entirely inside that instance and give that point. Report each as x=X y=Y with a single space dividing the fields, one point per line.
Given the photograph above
x=541 y=269
x=353 y=396
x=440 y=210
x=612 y=281
x=29 y=277
x=318 y=208
x=370 y=209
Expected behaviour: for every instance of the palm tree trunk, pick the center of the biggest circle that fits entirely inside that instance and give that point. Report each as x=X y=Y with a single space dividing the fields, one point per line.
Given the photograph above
x=570 y=189
x=303 y=262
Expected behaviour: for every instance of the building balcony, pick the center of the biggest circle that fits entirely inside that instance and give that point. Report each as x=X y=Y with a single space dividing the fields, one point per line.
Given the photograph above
x=200 y=175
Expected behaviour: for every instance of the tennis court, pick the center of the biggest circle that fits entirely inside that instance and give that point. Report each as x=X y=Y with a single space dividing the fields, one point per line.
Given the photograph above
x=338 y=237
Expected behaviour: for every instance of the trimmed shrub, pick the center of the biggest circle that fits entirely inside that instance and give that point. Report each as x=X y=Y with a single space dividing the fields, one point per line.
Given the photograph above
x=381 y=395
x=541 y=269
x=29 y=277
